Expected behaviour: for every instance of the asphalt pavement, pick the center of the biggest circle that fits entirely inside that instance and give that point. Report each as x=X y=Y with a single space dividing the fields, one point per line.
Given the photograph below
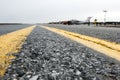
x=48 y=56
x=10 y=28
x=106 y=33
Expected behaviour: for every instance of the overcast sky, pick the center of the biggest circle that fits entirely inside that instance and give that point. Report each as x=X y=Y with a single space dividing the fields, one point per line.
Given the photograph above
x=39 y=11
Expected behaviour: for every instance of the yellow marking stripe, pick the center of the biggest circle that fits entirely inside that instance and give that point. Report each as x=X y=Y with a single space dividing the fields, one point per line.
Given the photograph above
x=110 y=49
x=11 y=43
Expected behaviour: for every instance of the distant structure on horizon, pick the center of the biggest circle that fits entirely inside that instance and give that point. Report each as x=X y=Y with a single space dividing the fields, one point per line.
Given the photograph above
x=68 y=22
x=78 y=22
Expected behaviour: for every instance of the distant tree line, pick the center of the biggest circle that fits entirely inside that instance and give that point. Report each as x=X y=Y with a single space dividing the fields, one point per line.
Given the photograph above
x=76 y=22
x=69 y=22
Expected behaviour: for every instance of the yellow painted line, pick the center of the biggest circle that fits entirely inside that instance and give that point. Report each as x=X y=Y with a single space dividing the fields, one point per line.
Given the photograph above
x=11 y=43
x=110 y=49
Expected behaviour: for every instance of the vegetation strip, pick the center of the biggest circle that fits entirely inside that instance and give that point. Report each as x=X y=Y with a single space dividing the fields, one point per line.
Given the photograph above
x=11 y=43
x=108 y=48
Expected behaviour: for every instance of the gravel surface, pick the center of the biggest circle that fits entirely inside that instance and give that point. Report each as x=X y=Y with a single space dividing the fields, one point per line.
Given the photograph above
x=49 y=56
x=9 y=28
x=107 y=33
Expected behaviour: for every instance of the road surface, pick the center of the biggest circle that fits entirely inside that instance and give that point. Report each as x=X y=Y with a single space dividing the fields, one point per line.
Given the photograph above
x=107 y=33
x=46 y=55
x=9 y=28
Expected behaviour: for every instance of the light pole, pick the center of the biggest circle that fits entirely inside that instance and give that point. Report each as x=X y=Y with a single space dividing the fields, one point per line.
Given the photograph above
x=88 y=20
x=105 y=11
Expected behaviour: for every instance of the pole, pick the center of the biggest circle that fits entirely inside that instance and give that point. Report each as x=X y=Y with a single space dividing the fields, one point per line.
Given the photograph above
x=105 y=11
x=88 y=20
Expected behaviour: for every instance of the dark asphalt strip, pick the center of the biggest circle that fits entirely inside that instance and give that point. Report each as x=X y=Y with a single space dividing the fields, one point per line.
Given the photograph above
x=49 y=56
x=10 y=28
x=106 y=33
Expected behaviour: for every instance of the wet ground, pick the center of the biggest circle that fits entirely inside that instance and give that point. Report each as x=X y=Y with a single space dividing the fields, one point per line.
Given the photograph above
x=48 y=56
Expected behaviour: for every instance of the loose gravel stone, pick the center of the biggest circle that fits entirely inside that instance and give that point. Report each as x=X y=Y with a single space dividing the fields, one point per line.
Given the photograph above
x=49 y=56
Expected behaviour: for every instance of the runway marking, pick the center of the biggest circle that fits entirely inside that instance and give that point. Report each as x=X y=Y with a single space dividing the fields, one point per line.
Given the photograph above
x=110 y=49
x=11 y=43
